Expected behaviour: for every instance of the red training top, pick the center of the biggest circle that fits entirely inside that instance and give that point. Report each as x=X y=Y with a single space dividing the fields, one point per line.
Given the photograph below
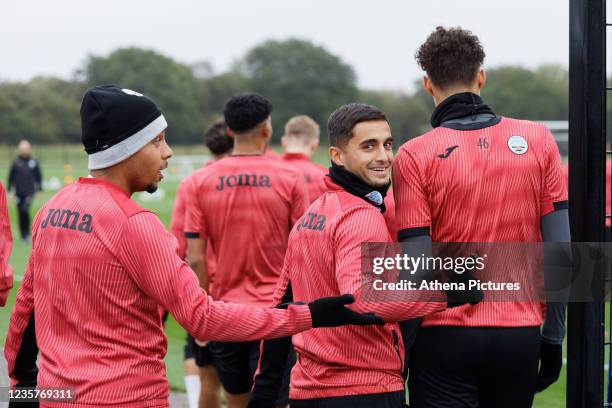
x=313 y=173
x=177 y=226
x=324 y=259
x=389 y=214
x=100 y=268
x=487 y=185
x=245 y=206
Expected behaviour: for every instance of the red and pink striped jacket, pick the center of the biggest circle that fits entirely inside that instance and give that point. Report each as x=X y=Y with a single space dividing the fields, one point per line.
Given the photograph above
x=100 y=268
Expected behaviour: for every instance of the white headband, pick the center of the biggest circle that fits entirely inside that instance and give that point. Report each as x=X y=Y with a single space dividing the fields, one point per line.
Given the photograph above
x=126 y=148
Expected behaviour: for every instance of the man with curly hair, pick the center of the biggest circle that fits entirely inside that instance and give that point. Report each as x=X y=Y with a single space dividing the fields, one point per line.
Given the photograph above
x=479 y=177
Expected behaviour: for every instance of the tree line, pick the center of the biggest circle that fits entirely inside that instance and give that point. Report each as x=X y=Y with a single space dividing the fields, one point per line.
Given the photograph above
x=297 y=76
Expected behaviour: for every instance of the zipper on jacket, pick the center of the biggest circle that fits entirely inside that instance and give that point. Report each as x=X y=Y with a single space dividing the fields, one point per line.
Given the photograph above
x=397 y=349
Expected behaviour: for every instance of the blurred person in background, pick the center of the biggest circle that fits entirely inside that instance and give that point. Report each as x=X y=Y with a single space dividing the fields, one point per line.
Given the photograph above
x=201 y=377
x=6 y=244
x=24 y=181
x=300 y=142
x=244 y=207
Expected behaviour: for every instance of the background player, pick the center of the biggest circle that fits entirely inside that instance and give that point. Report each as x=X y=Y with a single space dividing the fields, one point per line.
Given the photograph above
x=6 y=243
x=300 y=142
x=101 y=267
x=479 y=177
x=202 y=384
x=244 y=207
x=24 y=181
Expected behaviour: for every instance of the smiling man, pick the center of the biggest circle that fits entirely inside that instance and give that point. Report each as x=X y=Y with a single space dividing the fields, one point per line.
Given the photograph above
x=351 y=366
x=93 y=288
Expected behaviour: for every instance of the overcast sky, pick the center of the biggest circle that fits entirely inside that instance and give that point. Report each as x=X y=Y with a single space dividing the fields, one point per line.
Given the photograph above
x=378 y=38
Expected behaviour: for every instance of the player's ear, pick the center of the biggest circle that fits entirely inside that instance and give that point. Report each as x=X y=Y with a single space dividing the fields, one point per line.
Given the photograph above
x=335 y=154
x=481 y=78
x=267 y=128
x=427 y=85
x=284 y=141
x=229 y=132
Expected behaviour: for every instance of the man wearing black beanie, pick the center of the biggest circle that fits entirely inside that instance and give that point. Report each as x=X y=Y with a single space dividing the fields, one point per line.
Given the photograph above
x=102 y=267
x=116 y=123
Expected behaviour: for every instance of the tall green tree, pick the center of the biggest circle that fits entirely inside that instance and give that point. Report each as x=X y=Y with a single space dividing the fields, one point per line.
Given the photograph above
x=172 y=85
x=299 y=78
x=43 y=110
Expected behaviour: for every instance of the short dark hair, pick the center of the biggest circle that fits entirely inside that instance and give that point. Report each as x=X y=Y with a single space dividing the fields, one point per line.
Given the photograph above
x=245 y=111
x=451 y=56
x=216 y=138
x=344 y=119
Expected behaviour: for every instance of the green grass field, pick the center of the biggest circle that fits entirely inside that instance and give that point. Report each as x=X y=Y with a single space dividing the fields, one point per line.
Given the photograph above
x=53 y=162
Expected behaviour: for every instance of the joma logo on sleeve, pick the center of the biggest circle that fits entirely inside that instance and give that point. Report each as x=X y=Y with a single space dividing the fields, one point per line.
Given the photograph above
x=312 y=221
x=68 y=219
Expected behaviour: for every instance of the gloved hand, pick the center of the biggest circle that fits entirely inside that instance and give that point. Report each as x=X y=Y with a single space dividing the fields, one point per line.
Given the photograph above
x=461 y=297
x=332 y=312
x=551 y=361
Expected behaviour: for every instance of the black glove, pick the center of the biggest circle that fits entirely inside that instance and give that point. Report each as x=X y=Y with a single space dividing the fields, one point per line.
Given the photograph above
x=332 y=312
x=461 y=297
x=551 y=361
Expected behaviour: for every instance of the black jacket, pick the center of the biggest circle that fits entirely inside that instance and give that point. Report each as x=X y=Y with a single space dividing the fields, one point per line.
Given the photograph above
x=24 y=177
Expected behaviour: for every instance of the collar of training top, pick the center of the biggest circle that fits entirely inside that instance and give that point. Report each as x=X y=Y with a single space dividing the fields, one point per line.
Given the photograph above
x=461 y=105
x=101 y=182
x=357 y=187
